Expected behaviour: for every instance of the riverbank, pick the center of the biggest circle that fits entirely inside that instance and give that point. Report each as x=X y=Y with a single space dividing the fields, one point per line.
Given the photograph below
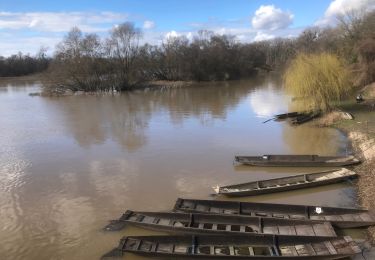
x=361 y=131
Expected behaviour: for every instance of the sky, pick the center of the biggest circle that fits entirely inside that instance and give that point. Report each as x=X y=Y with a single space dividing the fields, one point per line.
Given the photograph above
x=27 y=26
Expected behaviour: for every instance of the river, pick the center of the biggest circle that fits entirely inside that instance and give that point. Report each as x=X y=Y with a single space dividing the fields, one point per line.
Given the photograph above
x=70 y=164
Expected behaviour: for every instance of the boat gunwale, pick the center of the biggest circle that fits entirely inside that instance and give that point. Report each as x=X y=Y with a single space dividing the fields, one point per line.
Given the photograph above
x=193 y=241
x=286 y=187
x=237 y=220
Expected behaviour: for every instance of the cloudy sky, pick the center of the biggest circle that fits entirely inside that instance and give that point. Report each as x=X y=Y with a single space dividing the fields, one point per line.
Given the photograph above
x=27 y=25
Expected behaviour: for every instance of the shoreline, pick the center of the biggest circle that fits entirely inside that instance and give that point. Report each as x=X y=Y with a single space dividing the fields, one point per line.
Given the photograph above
x=361 y=135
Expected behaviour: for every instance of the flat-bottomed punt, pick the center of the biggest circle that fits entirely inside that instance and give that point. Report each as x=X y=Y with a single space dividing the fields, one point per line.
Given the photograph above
x=339 y=217
x=297 y=160
x=236 y=247
x=221 y=224
x=286 y=183
x=303 y=118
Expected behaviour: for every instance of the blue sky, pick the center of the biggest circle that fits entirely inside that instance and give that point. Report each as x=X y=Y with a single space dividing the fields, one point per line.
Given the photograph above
x=27 y=25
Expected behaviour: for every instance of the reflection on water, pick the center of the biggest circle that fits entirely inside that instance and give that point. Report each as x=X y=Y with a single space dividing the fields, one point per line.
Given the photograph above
x=69 y=164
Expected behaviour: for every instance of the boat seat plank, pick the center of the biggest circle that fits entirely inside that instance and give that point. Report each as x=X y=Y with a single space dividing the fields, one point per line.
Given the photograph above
x=270 y=230
x=320 y=249
x=330 y=247
x=215 y=210
x=178 y=224
x=139 y=218
x=228 y=228
x=261 y=214
x=148 y=219
x=287 y=230
x=231 y=250
x=304 y=230
x=221 y=250
x=242 y=228
x=323 y=229
x=212 y=250
x=180 y=249
x=164 y=222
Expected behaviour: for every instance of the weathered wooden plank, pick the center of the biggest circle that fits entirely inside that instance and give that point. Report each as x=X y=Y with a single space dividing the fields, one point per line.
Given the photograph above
x=270 y=230
x=330 y=248
x=324 y=229
x=304 y=230
x=320 y=249
x=288 y=251
x=287 y=230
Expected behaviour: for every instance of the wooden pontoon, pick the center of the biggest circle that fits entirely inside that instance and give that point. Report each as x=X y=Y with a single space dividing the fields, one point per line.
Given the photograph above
x=286 y=183
x=297 y=160
x=339 y=217
x=255 y=247
x=220 y=224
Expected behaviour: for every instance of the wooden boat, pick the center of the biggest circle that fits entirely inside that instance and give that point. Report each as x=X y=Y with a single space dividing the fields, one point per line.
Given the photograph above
x=256 y=247
x=287 y=115
x=286 y=183
x=297 y=160
x=300 y=119
x=220 y=224
x=339 y=217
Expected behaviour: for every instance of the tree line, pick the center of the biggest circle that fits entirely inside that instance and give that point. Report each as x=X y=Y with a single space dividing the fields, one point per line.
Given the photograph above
x=118 y=62
x=21 y=64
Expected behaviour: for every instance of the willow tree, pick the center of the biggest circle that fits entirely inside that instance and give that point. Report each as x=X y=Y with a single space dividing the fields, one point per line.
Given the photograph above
x=319 y=80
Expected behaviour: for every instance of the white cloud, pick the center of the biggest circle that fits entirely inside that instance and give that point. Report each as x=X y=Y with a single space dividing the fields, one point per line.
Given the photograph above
x=11 y=45
x=342 y=7
x=171 y=34
x=260 y=36
x=148 y=24
x=268 y=101
x=60 y=21
x=268 y=17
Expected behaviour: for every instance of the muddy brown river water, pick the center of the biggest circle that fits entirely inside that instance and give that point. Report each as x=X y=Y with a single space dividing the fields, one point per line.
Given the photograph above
x=70 y=164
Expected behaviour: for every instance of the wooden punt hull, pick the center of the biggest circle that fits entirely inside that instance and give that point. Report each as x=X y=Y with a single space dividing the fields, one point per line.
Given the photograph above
x=286 y=183
x=287 y=115
x=221 y=224
x=297 y=160
x=236 y=247
x=339 y=217
x=300 y=119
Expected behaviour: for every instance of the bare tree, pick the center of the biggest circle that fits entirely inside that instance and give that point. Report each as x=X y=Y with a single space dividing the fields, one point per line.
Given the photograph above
x=122 y=49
